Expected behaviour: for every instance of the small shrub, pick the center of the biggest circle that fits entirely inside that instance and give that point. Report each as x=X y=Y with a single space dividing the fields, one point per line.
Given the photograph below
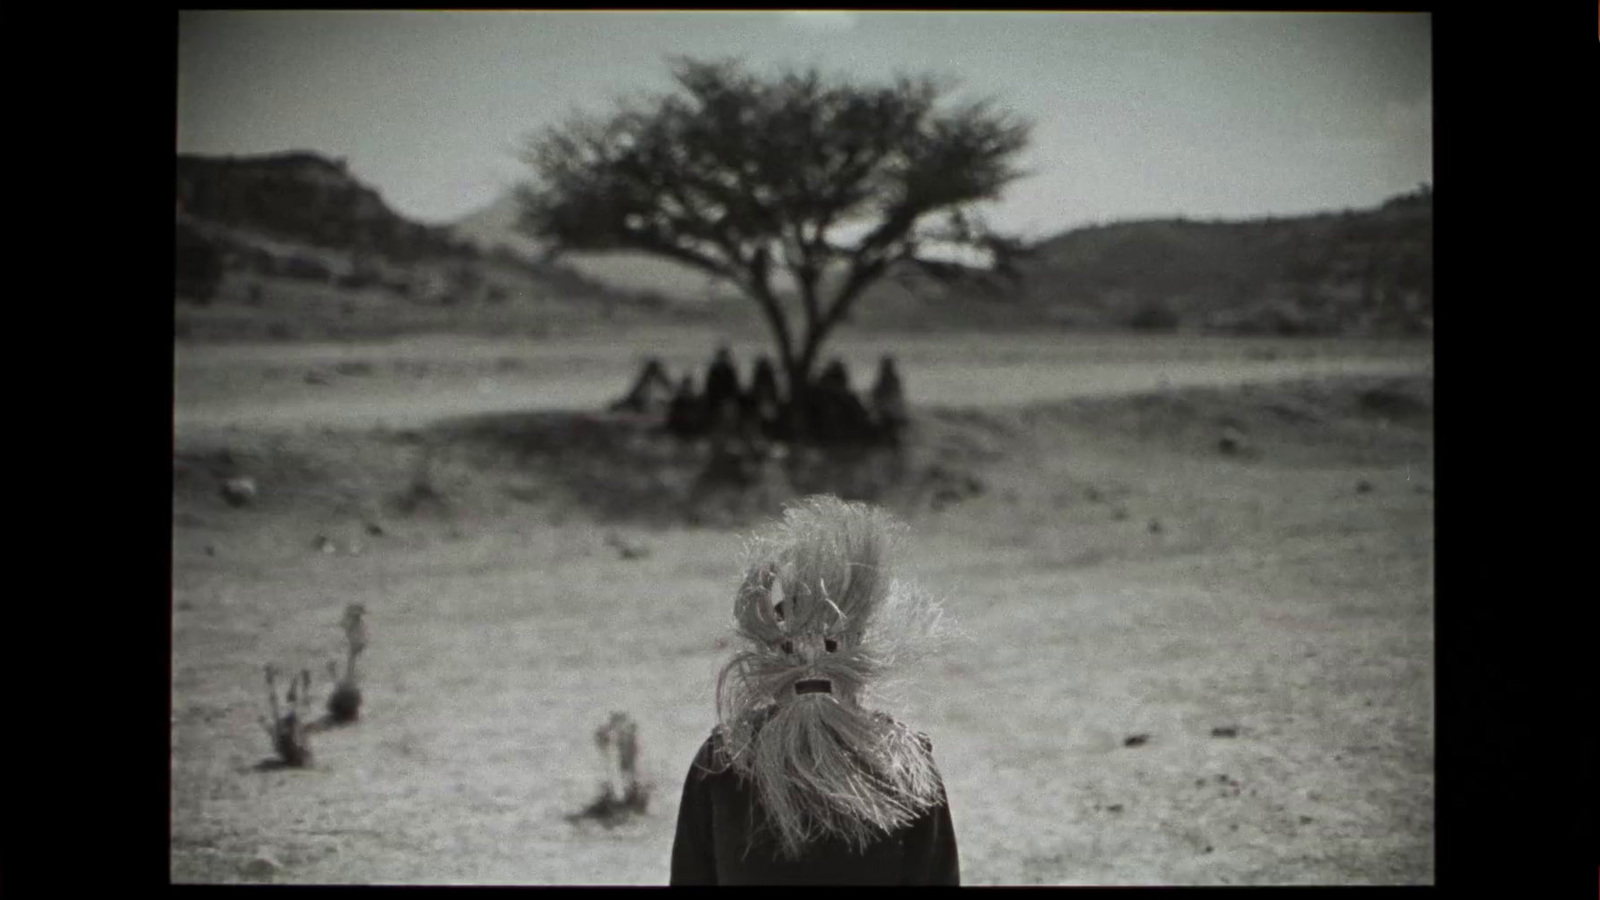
x=623 y=794
x=1153 y=317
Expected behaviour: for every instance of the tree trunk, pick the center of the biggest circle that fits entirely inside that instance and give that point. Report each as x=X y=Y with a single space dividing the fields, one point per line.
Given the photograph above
x=800 y=367
x=773 y=311
x=795 y=421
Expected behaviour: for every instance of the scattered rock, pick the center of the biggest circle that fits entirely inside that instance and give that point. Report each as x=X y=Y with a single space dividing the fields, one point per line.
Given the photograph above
x=315 y=378
x=324 y=544
x=1092 y=494
x=239 y=491
x=1154 y=526
x=1225 y=731
x=1136 y=740
x=1232 y=442
x=374 y=529
x=625 y=549
x=1233 y=826
x=1306 y=820
x=1121 y=514
x=1293 y=412
x=1208 y=849
x=1363 y=486
x=211 y=550
x=262 y=866
x=1115 y=807
x=1392 y=401
x=947 y=487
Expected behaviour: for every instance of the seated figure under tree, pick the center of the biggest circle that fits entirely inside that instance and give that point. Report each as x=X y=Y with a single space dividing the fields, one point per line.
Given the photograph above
x=651 y=391
x=889 y=400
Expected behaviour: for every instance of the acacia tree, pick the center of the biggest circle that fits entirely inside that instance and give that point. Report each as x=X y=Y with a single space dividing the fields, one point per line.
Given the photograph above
x=742 y=177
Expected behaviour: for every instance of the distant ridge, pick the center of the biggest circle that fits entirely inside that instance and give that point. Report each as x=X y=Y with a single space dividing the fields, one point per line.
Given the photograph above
x=495 y=226
x=302 y=216
x=1351 y=272
x=293 y=244
x=303 y=197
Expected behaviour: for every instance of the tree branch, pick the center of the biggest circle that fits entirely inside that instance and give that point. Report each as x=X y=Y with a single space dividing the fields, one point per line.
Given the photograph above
x=735 y=171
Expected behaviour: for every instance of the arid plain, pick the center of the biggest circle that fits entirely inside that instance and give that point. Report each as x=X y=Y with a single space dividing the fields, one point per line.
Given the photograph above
x=1194 y=578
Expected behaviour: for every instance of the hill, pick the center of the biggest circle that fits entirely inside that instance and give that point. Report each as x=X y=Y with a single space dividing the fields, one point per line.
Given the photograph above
x=294 y=245
x=1351 y=272
x=494 y=227
x=303 y=198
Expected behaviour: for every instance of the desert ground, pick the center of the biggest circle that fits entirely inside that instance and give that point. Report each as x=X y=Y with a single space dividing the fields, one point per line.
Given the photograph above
x=1193 y=578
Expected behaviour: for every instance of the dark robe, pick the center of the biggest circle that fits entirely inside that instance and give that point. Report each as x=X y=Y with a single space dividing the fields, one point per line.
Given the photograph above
x=686 y=412
x=719 y=814
x=651 y=391
x=722 y=382
x=762 y=405
x=888 y=398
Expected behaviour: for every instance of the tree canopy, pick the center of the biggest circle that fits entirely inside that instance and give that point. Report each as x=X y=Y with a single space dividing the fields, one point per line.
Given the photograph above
x=742 y=176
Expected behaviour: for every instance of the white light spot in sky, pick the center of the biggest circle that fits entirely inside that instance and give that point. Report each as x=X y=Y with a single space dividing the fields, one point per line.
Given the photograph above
x=822 y=20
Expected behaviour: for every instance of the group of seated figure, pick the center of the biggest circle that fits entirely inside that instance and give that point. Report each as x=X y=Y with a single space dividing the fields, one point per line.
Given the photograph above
x=830 y=413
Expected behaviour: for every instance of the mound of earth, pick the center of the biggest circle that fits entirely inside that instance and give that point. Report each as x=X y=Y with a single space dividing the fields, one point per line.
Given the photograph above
x=616 y=468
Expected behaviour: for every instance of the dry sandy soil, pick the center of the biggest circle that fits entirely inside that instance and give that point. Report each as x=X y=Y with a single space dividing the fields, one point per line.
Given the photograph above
x=1262 y=614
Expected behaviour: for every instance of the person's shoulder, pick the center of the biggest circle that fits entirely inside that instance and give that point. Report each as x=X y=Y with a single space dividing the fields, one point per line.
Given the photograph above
x=711 y=758
x=711 y=745
x=921 y=737
x=705 y=763
x=714 y=766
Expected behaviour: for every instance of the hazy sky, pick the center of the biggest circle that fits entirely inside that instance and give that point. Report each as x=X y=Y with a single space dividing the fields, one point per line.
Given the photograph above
x=1136 y=114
